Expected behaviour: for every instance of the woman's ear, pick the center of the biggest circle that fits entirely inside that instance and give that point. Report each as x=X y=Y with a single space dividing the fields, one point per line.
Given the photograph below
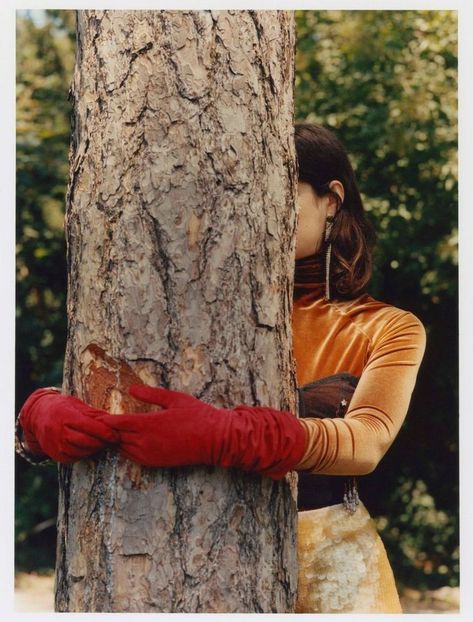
x=337 y=187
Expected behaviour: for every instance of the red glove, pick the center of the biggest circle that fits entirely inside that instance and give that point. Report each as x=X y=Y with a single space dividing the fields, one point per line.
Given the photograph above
x=63 y=427
x=189 y=431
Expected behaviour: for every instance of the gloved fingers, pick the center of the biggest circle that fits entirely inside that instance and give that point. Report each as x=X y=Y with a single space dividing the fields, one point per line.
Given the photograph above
x=84 y=443
x=94 y=412
x=73 y=405
x=161 y=396
x=136 y=423
x=93 y=427
x=81 y=406
x=129 y=442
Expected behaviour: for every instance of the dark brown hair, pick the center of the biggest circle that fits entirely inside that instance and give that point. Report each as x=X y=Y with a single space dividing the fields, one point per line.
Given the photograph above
x=322 y=158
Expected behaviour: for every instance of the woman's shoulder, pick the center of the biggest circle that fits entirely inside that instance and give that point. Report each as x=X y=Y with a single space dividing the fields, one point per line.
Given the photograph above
x=380 y=319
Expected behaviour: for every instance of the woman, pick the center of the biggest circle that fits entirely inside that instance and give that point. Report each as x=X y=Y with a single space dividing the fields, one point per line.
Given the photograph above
x=357 y=360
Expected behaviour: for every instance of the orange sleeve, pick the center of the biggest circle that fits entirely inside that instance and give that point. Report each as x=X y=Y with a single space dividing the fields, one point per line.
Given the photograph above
x=354 y=444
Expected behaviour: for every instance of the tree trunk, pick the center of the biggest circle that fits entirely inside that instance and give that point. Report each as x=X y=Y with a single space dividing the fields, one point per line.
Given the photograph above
x=180 y=230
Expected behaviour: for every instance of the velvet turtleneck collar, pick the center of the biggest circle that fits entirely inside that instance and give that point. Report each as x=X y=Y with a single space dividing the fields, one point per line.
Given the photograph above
x=309 y=274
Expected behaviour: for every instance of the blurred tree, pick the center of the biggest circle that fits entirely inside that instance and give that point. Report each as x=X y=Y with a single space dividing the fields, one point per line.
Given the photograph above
x=386 y=82
x=44 y=57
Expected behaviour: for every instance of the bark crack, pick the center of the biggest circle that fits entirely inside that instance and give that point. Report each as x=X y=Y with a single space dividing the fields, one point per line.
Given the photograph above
x=165 y=262
x=133 y=56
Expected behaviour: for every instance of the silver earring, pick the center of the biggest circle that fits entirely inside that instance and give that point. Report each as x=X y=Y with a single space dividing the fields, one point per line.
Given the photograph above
x=328 y=254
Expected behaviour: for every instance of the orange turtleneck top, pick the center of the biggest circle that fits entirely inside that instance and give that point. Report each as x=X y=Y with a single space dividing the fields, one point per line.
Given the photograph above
x=381 y=344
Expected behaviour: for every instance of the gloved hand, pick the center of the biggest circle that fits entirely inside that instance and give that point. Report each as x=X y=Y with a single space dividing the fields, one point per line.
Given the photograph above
x=190 y=431
x=63 y=427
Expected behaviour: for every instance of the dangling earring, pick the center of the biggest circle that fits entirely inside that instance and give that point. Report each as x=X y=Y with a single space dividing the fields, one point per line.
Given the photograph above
x=328 y=254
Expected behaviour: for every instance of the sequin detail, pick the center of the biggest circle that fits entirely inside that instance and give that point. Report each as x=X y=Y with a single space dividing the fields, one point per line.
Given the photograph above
x=343 y=566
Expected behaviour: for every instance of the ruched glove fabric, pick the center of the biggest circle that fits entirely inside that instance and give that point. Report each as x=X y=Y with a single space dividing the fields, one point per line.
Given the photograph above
x=190 y=431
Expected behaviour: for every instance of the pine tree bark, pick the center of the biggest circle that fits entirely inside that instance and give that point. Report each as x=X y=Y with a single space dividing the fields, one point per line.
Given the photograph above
x=180 y=230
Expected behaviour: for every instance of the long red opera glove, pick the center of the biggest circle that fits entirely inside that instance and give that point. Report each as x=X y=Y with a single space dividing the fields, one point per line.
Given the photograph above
x=63 y=427
x=189 y=431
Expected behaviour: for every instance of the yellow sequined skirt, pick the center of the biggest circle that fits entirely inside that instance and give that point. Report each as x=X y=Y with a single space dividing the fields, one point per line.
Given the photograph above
x=343 y=565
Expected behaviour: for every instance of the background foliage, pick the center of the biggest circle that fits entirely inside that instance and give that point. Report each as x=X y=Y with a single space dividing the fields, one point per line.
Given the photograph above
x=386 y=81
x=45 y=57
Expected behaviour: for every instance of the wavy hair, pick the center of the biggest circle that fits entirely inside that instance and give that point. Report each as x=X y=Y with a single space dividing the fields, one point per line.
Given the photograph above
x=321 y=159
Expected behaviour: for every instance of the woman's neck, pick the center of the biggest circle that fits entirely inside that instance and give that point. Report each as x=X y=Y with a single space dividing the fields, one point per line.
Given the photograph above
x=309 y=274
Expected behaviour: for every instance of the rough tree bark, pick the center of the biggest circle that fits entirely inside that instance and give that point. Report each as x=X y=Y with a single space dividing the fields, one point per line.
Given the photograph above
x=180 y=233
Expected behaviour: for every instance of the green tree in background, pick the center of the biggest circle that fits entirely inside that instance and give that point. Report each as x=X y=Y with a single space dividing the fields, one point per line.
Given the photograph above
x=386 y=82
x=44 y=56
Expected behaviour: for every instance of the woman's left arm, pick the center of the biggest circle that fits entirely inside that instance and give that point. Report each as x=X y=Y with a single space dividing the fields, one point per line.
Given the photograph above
x=355 y=444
